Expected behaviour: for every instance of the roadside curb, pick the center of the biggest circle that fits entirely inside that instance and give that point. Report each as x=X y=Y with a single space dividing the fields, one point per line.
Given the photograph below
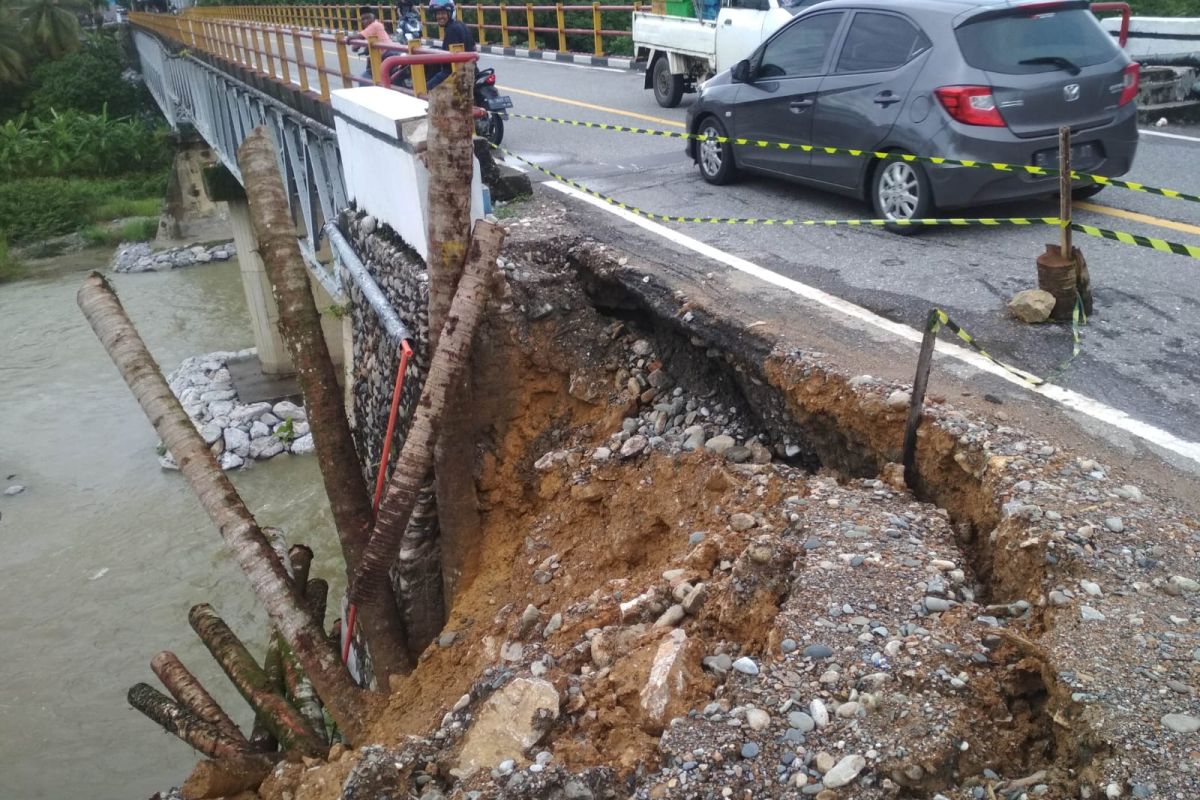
x=612 y=62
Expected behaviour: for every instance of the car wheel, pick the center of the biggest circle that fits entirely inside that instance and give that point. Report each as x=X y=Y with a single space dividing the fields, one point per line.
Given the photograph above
x=668 y=88
x=900 y=191
x=715 y=158
x=1084 y=192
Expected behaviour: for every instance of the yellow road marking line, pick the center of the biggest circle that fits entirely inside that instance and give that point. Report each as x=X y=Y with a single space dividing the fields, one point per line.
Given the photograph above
x=593 y=107
x=1134 y=216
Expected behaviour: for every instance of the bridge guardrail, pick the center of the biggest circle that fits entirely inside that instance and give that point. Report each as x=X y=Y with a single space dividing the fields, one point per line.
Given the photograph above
x=517 y=23
x=280 y=52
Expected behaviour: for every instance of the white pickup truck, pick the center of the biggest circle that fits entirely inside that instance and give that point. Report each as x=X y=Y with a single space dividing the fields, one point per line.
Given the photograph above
x=681 y=52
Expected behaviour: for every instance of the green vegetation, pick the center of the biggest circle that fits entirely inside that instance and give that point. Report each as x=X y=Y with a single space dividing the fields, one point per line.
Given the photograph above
x=139 y=229
x=10 y=268
x=39 y=208
x=79 y=144
x=1165 y=8
x=511 y=208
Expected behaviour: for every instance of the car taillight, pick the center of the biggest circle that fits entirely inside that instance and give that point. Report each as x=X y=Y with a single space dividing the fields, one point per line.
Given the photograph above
x=1131 y=80
x=971 y=105
x=490 y=80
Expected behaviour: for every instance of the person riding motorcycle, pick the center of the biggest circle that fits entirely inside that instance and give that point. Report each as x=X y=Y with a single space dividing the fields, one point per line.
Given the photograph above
x=454 y=31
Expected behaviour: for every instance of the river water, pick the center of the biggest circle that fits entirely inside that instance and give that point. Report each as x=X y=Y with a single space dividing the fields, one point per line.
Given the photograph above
x=104 y=553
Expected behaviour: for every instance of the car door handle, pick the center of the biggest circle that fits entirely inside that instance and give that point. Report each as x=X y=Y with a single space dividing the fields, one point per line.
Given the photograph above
x=799 y=105
x=885 y=99
x=728 y=22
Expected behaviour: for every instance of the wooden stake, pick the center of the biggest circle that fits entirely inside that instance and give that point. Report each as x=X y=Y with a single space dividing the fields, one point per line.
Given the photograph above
x=1064 y=188
x=917 y=403
x=271 y=583
x=176 y=719
x=300 y=324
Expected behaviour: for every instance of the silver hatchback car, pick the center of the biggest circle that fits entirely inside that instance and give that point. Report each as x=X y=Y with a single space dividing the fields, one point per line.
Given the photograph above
x=971 y=80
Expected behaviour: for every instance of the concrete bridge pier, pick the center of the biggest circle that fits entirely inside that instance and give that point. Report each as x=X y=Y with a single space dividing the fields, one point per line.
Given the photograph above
x=264 y=313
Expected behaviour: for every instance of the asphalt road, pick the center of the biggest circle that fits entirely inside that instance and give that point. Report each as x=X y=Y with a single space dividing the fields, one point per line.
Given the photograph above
x=1139 y=349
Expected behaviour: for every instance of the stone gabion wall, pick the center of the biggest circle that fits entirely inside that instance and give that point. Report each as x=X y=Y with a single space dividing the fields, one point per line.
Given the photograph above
x=401 y=274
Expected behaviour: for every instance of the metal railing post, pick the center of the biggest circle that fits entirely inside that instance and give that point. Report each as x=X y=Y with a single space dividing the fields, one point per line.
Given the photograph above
x=319 y=57
x=562 y=24
x=375 y=54
x=420 y=86
x=283 y=60
x=480 y=25
x=301 y=65
x=598 y=40
x=504 y=24
x=529 y=25
x=343 y=59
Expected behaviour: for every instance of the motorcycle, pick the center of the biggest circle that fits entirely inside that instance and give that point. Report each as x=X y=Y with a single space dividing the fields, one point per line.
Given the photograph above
x=490 y=125
x=408 y=27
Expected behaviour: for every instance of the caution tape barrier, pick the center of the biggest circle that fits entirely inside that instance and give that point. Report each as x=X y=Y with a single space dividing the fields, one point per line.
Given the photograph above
x=889 y=156
x=1161 y=245
x=938 y=319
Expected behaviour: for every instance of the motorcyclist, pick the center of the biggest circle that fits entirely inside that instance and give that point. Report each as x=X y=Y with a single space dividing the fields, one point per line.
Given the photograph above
x=454 y=31
x=373 y=32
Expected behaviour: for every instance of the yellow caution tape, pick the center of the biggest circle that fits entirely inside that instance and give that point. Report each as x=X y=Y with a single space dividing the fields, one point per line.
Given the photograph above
x=866 y=223
x=939 y=318
x=1141 y=241
x=891 y=156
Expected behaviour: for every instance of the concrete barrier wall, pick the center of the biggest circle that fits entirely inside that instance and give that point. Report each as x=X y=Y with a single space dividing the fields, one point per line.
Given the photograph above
x=1162 y=37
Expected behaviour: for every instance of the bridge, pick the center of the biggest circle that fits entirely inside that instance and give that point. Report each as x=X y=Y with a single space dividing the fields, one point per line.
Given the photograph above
x=341 y=138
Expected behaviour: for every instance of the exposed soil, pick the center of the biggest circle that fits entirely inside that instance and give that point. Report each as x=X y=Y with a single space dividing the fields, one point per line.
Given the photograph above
x=776 y=615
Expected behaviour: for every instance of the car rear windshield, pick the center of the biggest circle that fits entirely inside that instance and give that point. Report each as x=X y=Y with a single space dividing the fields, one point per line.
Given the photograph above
x=1025 y=43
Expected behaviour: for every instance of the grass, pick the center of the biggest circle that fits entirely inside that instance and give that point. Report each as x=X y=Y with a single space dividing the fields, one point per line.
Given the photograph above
x=140 y=229
x=10 y=268
x=511 y=208
x=119 y=207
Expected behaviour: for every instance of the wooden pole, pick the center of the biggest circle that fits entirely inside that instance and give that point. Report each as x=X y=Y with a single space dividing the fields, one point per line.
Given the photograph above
x=176 y=719
x=271 y=583
x=300 y=324
x=1064 y=188
x=917 y=403
x=280 y=717
x=192 y=695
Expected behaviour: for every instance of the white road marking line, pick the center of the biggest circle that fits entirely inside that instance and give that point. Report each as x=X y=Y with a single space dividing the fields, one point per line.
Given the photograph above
x=1166 y=135
x=1065 y=397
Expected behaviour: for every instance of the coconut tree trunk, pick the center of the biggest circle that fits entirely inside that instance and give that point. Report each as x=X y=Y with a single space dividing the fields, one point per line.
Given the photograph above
x=450 y=161
x=448 y=364
x=176 y=719
x=300 y=324
x=185 y=688
x=271 y=583
x=285 y=723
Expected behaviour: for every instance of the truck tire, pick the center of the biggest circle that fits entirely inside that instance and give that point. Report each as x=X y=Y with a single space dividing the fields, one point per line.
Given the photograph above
x=668 y=88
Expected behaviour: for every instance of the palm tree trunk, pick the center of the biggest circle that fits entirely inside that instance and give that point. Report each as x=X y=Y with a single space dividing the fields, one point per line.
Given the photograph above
x=300 y=324
x=450 y=161
x=448 y=365
x=185 y=688
x=176 y=719
x=271 y=583
x=284 y=722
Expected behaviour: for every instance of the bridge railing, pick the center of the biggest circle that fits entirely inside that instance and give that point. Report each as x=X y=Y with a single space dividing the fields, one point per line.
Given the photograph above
x=308 y=58
x=561 y=26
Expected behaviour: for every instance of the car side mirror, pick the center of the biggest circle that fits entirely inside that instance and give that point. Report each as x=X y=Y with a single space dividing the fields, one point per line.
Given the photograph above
x=741 y=71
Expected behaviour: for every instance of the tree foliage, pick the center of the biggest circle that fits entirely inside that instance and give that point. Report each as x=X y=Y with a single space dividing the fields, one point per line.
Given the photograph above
x=89 y=79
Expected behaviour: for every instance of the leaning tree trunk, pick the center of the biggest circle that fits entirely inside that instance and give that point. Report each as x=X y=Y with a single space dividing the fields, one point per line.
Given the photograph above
x=448 y=364
x=300 y=324
x=220 y=500
x=449 y=159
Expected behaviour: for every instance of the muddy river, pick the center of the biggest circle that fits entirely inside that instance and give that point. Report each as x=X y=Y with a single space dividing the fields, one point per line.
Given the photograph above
x=104 y=552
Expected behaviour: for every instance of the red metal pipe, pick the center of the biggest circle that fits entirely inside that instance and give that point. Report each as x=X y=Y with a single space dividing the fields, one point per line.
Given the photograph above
x=1100 y=8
